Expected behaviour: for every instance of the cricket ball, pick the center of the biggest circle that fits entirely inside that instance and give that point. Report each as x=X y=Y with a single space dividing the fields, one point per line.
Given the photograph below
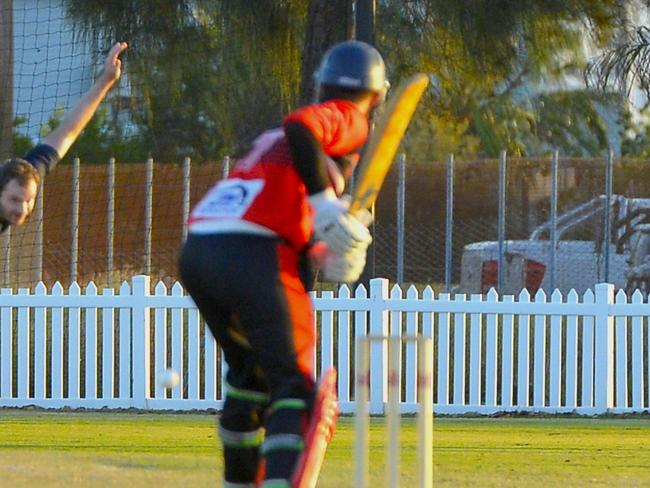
x=169 y=378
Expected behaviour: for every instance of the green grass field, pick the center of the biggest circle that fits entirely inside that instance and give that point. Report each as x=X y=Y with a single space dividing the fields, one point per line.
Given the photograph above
x=71 y=449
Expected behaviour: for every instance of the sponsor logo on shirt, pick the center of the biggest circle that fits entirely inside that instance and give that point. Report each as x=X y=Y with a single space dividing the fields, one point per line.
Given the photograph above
x=229 y=198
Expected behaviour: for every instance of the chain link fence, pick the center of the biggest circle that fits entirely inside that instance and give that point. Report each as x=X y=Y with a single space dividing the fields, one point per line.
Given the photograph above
x=528 y=199
x=80 y=238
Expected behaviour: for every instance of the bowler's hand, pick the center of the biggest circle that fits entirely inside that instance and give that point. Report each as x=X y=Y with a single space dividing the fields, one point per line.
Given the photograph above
x=113 y=63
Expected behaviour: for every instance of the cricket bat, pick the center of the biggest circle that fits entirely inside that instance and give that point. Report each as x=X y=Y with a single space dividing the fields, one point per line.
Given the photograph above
x=319 y=433
x=384 y=141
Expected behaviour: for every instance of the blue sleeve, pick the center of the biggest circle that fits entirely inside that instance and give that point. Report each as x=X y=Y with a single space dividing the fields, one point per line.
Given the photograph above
x=43 y=158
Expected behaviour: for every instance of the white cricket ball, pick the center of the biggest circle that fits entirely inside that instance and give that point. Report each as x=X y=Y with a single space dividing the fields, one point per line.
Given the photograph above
x=169 y=378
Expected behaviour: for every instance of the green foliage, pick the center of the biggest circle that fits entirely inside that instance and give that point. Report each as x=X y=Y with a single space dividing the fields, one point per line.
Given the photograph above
x=488 y=62
x=570 y=121
x=504 y=125
x=207 y=76
x=491 y=32
x=573 y=121
x=636 y=136
x=637 y=144
x=21 y=142
x=103 y=138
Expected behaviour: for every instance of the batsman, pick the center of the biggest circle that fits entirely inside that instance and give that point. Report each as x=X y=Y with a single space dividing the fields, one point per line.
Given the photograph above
x=252 y=241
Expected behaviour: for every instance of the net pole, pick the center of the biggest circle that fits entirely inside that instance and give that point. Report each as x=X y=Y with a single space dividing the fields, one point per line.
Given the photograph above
x=7 y=41
x=449 y=222
x=553 y=230
x=74 y=224
x=607 y=238
x=401 y=199
x=6 y=261
x=110 y=221
x=502 y=219
x=148 y=212
x=38 y=239
x=225 y=167
x=186 y=194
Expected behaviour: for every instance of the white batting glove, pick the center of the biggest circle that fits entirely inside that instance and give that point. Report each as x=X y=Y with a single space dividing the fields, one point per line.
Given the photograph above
x=335 y=226
x=343 y=269
x=363 y=215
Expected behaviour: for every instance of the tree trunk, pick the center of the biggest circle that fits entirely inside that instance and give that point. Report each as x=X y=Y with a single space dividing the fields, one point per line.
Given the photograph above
x=328 y=22
x=6 y=78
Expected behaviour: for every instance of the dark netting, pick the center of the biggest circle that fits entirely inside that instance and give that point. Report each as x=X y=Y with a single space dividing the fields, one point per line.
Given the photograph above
x=476 y=207
x=53 y=66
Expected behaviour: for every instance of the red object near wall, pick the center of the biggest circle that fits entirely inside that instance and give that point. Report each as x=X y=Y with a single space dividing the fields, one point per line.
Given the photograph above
x=533 y=275
x=489 y=275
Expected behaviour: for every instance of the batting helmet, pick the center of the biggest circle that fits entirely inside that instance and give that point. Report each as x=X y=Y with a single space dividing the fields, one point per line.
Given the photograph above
x=353 y=65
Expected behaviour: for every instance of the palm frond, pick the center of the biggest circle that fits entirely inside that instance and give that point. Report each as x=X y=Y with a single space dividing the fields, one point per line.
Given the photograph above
x=624 y=66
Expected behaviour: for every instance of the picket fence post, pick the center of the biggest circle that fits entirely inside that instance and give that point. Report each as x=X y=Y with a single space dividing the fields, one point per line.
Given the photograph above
x=24 y=343
x=378 y=350
x=604 y=349
x=6 y=347
x=141 y=337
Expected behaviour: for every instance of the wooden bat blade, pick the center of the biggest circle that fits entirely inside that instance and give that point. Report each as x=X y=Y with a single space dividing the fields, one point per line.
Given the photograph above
x=385 y=139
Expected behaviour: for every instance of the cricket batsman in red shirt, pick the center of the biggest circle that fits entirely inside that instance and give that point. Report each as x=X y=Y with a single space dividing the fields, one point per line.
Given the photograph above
x=250 y=244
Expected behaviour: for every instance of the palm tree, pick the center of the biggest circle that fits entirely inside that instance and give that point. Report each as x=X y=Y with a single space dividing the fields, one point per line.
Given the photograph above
x=625 y=65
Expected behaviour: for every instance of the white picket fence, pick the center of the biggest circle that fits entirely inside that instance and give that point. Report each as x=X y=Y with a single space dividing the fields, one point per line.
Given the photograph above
x=586 y=354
